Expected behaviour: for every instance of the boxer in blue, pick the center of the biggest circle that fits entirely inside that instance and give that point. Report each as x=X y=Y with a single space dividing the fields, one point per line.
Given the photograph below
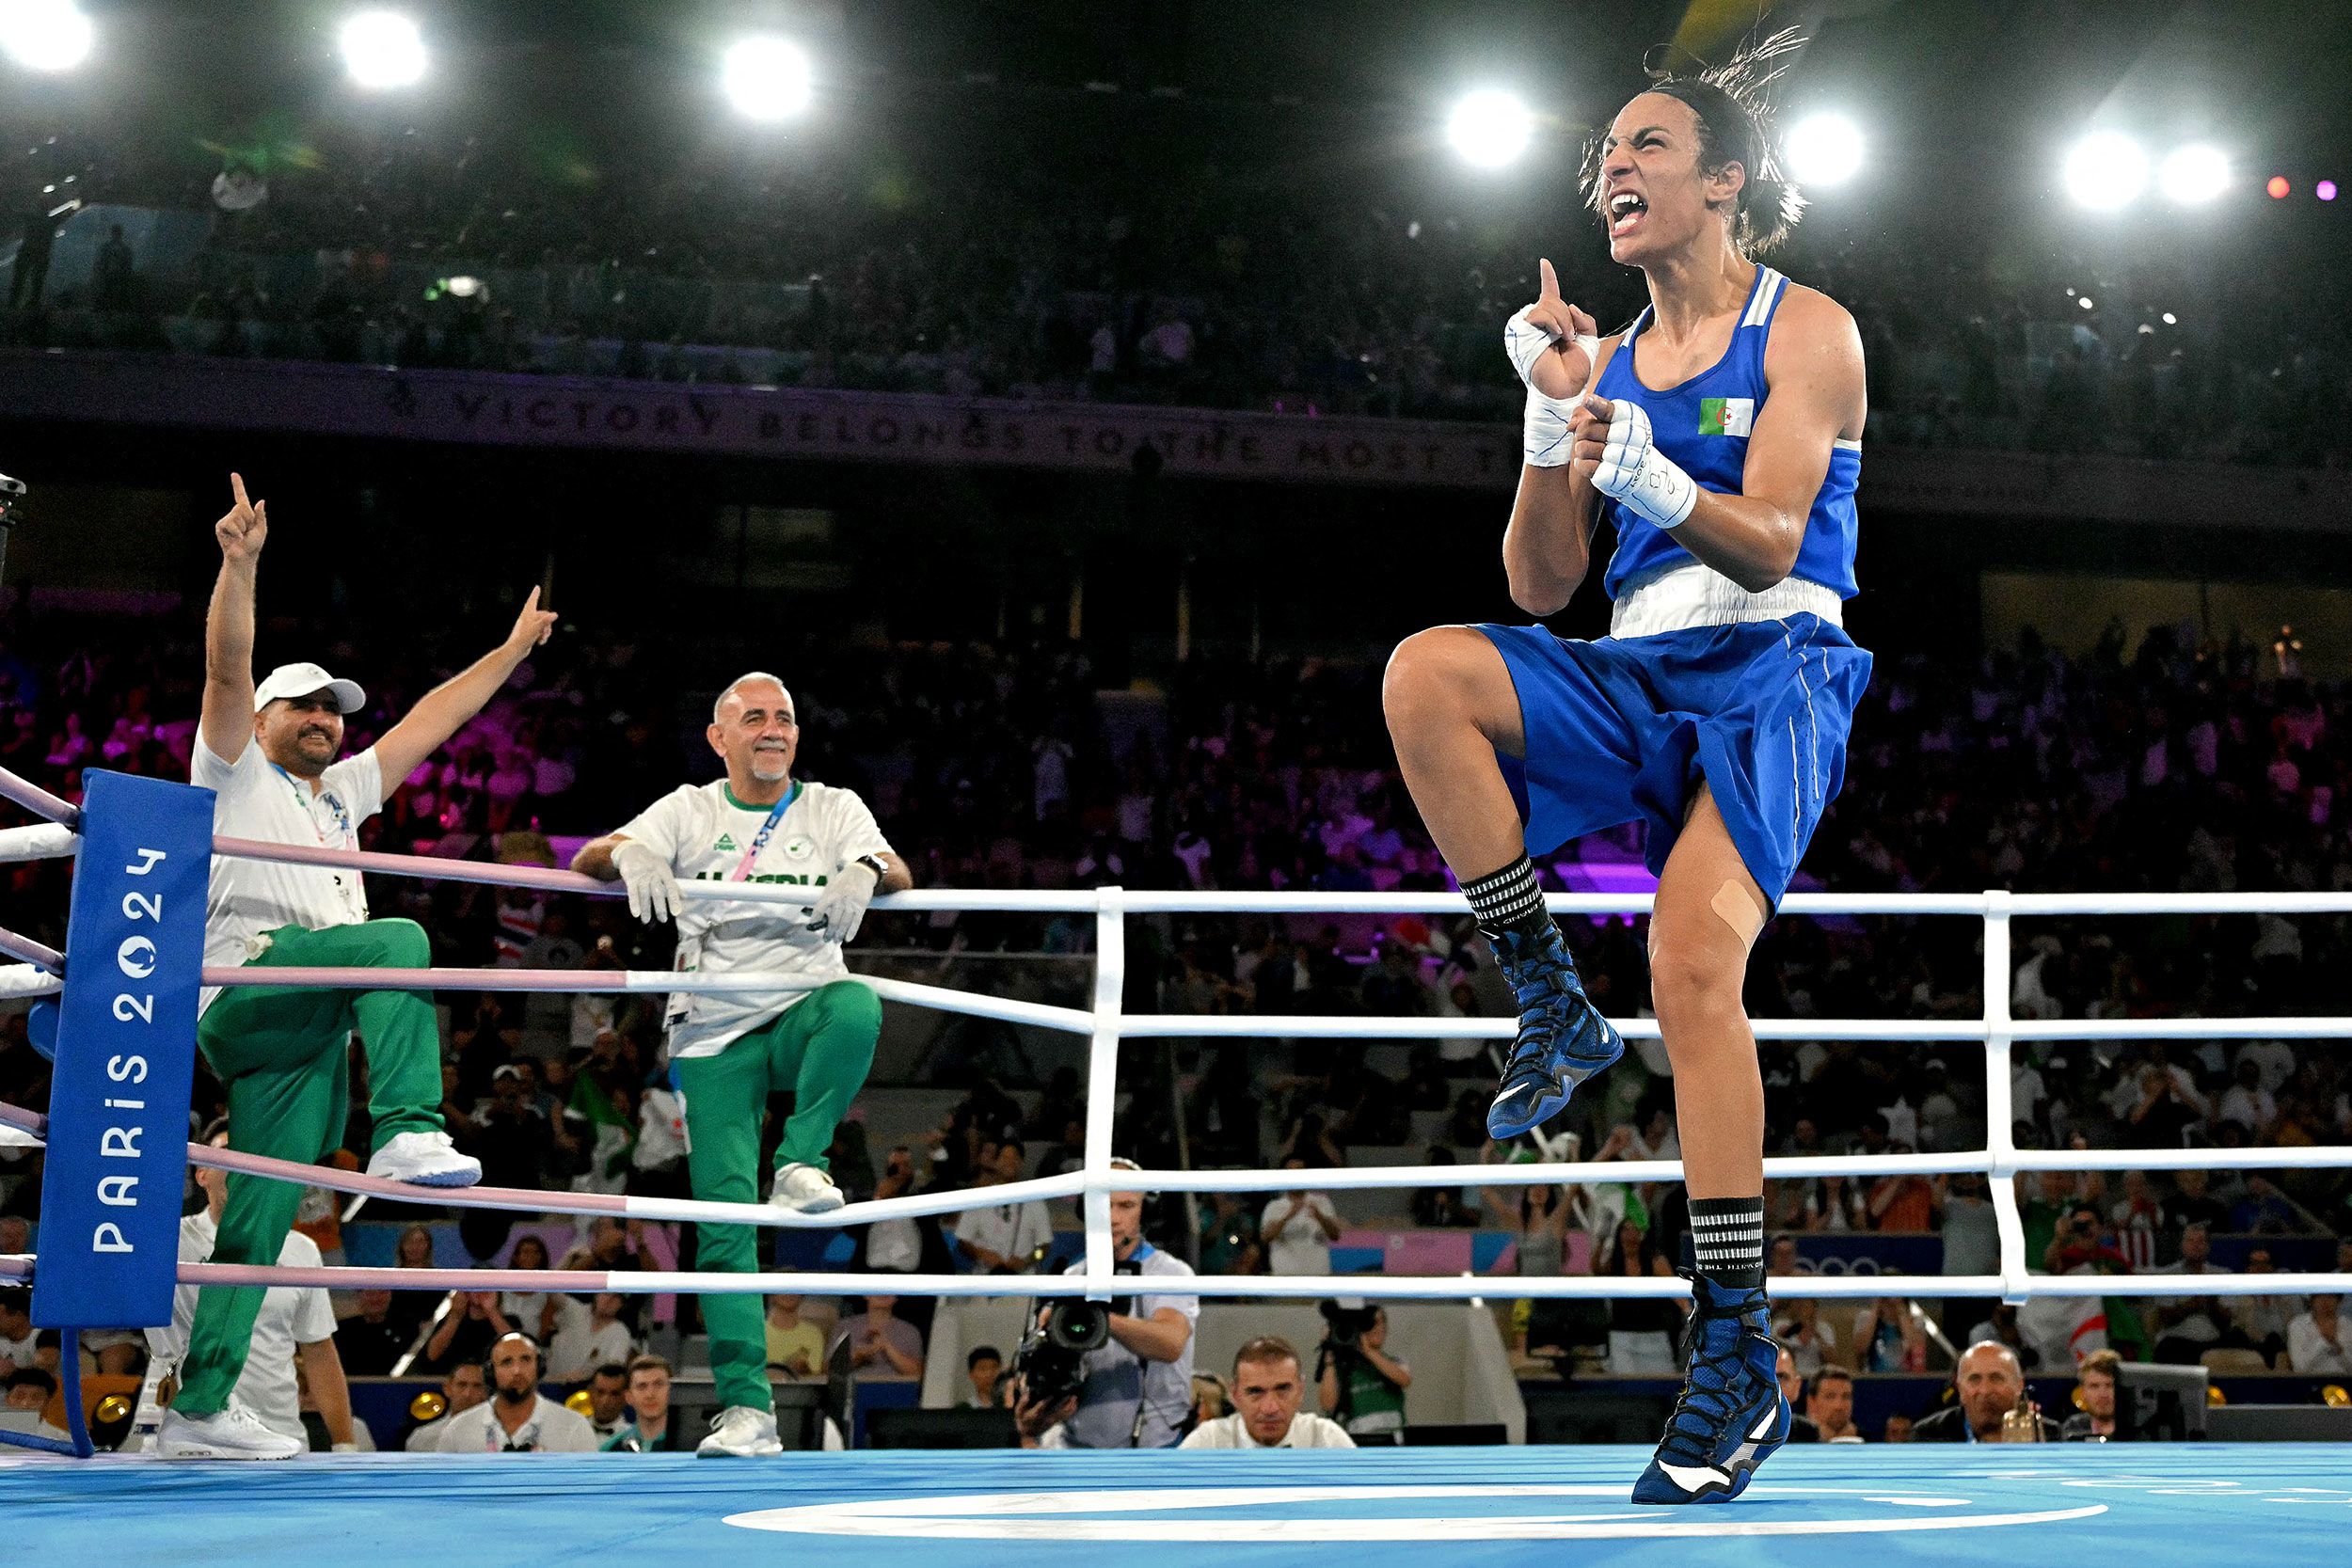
x=1720 y=437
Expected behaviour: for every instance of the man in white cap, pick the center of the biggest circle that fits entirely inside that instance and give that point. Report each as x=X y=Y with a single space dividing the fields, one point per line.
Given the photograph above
x=282 y=1054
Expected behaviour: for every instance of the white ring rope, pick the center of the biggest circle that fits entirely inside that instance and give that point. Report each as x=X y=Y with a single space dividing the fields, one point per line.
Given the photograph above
x=1107 y=1027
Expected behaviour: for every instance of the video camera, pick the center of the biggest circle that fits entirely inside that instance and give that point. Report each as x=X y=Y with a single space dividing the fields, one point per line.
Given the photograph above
x=1050 y=1363
x=1345 y=1321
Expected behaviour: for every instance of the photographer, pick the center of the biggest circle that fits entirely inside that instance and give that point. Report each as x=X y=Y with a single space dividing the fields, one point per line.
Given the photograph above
x=1361 y=1385
x=1131 y=1384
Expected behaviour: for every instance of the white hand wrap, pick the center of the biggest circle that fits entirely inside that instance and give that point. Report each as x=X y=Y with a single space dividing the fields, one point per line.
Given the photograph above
x=1545 y=436
x=1651 y=484
x=652 y=885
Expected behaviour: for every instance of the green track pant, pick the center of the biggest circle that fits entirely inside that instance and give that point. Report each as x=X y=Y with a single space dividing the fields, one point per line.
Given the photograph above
x=820 y=1049
x=284 y=1057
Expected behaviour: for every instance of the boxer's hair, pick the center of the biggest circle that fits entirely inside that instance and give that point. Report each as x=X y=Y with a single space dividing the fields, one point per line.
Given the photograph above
x=1734 y=122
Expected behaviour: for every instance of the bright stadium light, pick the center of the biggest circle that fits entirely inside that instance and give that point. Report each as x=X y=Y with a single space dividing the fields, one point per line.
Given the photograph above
x=2105 y=170
x=45 y=35
x=767 y=78
x=1489 y=128
x=383 y=50
x=2193 y=174
x=1825 y=149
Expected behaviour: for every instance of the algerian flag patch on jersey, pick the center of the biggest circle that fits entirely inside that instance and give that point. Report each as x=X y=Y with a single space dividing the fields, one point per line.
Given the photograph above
x=1725 y=415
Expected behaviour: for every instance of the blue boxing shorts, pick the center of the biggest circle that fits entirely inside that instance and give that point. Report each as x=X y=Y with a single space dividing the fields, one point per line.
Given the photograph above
x=1625 y=730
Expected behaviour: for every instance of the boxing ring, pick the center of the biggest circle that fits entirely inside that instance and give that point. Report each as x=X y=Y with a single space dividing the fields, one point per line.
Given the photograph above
x=133 y=967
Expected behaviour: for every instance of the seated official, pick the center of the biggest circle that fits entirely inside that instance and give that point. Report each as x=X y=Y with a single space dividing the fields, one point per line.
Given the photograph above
x=1267 y=1388
x=1801 y=1427
x=465 y=1385
x=1829 y=1404
x=1990 y=1383
x=517 y=1418
x=653 y=1427
x=2094 y=1388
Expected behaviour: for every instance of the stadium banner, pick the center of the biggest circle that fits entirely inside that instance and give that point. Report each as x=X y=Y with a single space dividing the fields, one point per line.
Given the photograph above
x=485 y=408
x=117 y=1158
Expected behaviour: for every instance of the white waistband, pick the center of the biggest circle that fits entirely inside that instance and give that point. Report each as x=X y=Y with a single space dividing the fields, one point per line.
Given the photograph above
x=1681 y=597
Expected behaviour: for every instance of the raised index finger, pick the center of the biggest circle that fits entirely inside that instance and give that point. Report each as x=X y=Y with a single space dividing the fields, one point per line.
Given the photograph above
x=1551 y=279
x=236 y=483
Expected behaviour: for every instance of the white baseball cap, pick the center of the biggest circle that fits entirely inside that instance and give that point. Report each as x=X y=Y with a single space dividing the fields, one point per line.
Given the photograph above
x=300 y=680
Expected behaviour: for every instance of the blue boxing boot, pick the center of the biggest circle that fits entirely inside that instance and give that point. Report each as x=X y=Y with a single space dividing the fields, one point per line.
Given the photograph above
x=1563 y=1040
x=1732 y=1416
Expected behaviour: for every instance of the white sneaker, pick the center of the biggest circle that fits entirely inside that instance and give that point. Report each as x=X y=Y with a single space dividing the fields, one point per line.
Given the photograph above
x=234 y=1433
x=739 y=1431
x=804 y=1190
x=425 y=1159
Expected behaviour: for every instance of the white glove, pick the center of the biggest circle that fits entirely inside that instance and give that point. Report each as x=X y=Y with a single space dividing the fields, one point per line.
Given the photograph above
x=1651 y=484
x=652 y=886
x=842 y=909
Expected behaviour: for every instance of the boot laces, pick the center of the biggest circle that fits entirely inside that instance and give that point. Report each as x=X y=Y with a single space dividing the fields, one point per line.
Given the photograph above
x=1711 y=1393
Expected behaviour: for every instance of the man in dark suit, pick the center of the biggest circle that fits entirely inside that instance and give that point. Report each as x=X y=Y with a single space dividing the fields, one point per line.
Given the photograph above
x=1989 y=1381
x=1801 y=1428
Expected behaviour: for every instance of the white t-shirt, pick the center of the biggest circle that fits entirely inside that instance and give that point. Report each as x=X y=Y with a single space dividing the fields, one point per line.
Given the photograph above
x=256 y=798
x=1015 y=1230
x=583 y=1345
x=705 y=832
x=1307 y=1432
x=1301 y=1247
x=19 y=1353
x=551 y=1429
x=291 y=1317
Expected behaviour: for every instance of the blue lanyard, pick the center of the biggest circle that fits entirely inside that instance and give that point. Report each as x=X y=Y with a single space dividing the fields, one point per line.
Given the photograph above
x=308 y=801
x=759 y=840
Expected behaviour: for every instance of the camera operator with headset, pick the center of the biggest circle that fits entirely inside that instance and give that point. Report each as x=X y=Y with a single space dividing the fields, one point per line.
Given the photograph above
x=1088 y=1378
x=1362 y=1386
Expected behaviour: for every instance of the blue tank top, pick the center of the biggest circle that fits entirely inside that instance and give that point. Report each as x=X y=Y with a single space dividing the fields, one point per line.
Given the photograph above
x=1703 y=424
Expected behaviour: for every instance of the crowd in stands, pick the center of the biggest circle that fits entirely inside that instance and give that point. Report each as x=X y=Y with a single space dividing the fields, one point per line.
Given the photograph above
x=1051 y=276
x=2135 y=766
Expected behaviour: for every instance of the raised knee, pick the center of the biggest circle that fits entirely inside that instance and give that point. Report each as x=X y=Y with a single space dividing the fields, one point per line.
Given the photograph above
x=855 y=1005
x=1425 y=670
x=403 y=944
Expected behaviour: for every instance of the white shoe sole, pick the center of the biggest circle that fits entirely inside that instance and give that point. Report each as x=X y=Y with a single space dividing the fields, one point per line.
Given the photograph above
x=207 y=1451
x=763 y=1451
x=825 y=1204
x=454 y=1177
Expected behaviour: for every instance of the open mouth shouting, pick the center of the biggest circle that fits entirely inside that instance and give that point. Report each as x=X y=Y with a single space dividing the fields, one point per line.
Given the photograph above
x=1626 y=209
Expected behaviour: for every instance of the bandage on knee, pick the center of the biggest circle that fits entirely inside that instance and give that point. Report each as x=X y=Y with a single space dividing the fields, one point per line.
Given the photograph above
x=1739 y=909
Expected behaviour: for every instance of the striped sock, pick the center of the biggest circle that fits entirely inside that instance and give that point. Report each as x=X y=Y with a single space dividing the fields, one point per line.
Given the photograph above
x=1509 y=901
x=1727 y=1239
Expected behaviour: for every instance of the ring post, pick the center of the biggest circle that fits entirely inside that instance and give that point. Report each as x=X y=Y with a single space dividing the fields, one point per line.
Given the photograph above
x=1110 y=984
x=126 y=1058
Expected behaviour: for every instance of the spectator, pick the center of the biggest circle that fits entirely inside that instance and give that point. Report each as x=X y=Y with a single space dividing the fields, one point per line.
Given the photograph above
x=2185 y=1327
x=2316 y=1341
x=517 y=1418
x=1801 y=1425
x=1899 y=1429
x=1361 y=1385
x=1829 y=1404
x=894 y=1245
x=2094 y=1392
x=113 y=273
x=15 y=1329
x=580 y=1347
x=541 y=1314
x=608 y=1402
x=1210 y=1400
x=881 y=1346
x=29 y=1391
x=1299 y=1228
x=652 y=1427
x=470 y=1326
x=1268 y=1388
x=2262 y=1321
x=1990 y=1386
x=1003 y=1237
x=466 y=1385
x=984 y=1370
x=1641 y=1329
x=796 y=1347
x=371 y=1340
